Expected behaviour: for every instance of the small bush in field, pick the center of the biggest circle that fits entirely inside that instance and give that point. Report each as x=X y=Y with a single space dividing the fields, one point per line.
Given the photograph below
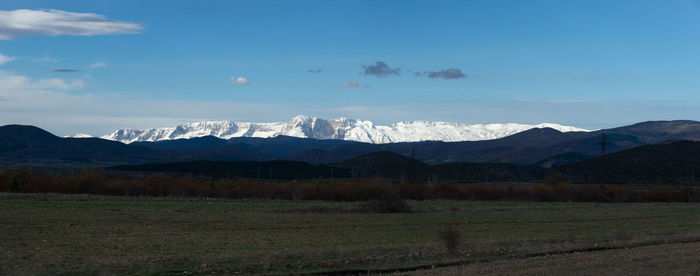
x=450 y=238
x=388 y=205
x=388 y=201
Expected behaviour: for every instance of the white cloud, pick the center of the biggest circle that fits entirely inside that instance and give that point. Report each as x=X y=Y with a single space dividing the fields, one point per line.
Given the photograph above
x=5 y=59
x=98 y=65
x=16 y=85
x=239 y=80
x=23 y=22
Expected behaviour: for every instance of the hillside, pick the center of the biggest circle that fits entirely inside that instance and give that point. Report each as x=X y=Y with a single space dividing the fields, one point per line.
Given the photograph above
x=664 y=163
x=19 y=143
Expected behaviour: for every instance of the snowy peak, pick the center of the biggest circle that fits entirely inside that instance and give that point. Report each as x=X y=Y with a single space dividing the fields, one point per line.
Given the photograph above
x=341 y=128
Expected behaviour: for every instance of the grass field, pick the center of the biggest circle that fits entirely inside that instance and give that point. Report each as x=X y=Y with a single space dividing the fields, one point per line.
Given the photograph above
x=86 y=234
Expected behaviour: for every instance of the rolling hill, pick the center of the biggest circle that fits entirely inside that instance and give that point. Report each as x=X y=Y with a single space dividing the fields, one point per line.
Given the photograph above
x=664 y=163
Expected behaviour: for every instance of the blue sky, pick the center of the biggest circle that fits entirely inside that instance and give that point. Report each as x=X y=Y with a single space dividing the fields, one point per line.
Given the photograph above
x=591 y=64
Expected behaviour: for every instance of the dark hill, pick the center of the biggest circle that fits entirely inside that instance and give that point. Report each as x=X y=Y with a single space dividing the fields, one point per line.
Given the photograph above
x=391 y=165
x=206 y=142
x=27 y=142
x=652 y=132
x=664 y=163
x=286 y=145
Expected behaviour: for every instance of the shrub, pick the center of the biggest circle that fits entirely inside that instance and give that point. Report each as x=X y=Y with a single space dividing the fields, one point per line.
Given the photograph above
x=388 y=205
x=450 y=238
x=389 y=201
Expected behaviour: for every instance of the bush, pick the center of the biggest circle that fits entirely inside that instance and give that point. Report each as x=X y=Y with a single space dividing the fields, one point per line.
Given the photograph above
x=450 y=238
x=388 y=205
x=389 y=201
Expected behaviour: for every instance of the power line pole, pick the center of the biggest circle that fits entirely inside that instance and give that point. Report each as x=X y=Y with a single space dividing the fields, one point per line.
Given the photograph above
x=413 y=165
x=602 y=144
x=602 y=156
x=486 y=173
x=692 y=175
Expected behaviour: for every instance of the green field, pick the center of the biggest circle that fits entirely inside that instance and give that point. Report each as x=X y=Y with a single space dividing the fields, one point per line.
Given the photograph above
x=85 y=234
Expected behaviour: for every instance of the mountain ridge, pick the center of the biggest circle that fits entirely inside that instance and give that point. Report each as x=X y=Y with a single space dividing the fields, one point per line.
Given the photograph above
x=546 y=147
x=337 y=129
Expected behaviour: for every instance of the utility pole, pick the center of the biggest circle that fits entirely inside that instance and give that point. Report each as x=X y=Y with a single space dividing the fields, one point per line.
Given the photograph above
x=602 y=156
x=692 y=175
x=413 y=165
x=486 y=173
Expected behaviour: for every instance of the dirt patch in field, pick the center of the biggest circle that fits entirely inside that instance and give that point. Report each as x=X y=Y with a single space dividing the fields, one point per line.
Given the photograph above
x=670 y=259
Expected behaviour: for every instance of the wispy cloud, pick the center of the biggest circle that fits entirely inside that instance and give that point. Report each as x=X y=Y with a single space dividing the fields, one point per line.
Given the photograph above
x=59 y=106
x=42 y=59
x=445 y=74
x=352 y=84
x=239 y=80
x=380 y=69
x=65 y=70
x=5 y=59
x=15 y=85
x=98 y=65
x=315 y=71
x=24 y=22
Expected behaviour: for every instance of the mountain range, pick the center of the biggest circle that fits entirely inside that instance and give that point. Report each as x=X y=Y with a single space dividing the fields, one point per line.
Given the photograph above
x=337 y=129
x=30 y=146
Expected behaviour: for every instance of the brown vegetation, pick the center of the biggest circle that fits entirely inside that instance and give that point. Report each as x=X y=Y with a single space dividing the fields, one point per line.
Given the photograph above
x=386 y=195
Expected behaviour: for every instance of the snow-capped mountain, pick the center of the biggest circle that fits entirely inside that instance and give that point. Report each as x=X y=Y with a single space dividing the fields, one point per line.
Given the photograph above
x=341 y=128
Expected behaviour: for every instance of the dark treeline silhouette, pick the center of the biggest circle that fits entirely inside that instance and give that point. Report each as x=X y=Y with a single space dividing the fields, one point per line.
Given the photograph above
x=382 y=164
x=284 y=170
x=158 y=184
